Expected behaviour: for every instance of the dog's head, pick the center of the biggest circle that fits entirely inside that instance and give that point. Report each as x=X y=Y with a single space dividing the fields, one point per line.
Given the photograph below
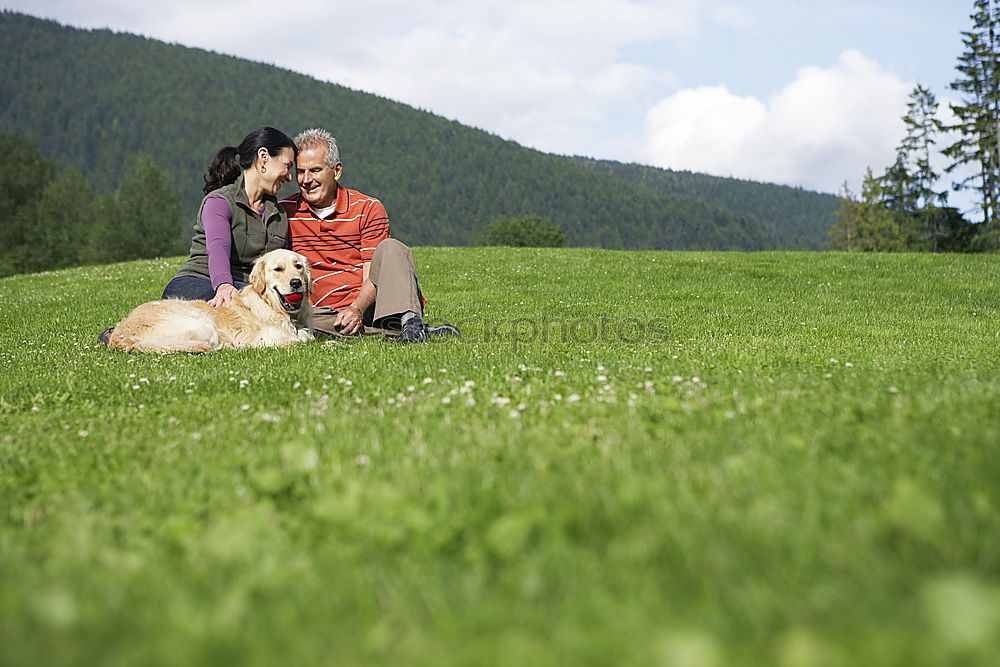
x=281 y=277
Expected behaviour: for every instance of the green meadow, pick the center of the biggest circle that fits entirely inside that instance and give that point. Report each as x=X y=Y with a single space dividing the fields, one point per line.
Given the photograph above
x=630 y=458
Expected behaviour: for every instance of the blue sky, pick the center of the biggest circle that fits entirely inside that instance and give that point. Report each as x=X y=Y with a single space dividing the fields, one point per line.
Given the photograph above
x=803 y=93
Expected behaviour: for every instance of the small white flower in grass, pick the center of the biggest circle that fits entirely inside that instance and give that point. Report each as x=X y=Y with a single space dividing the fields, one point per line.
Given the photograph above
x=244 y=407
x=695 y=380
x=411 y=388
x=893 y=390
x=442 y=370
x=600 y=368
x=678 y=379
x=446 y=400
x=244 y=383
x=834 y=361
x=515 y=379
x=329 y=377
x=362 y=460
x=521 y=406
x=35 y=408
x=428 y=380
x=674 y=357
x=172 y=378
x=573 y=398
x=602 y=378
x=648 y=369
x=268 y=417
x=82 y=433
x=514 y=414
x=296 y=385
x=848 y=364
x=500 y=400
x=131 y=375
x=470 y=383
x=557 y=397
x=135 y=386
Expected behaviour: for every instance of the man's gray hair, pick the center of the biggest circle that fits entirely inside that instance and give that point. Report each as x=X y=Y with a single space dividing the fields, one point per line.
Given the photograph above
x=318 y=137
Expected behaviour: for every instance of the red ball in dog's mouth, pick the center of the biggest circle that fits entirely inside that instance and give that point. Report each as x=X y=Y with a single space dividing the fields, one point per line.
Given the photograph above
x=294 y=298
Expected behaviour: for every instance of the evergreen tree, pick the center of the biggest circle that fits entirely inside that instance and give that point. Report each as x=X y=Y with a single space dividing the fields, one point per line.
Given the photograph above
x=979 y=113
x=868 y=224
x=146 y=217
x=55 y=225
x=909 y=183
x=922 y=127
x=844 y=232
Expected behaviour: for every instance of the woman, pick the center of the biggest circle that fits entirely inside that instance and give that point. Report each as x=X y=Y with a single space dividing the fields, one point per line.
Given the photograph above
x=239 y=219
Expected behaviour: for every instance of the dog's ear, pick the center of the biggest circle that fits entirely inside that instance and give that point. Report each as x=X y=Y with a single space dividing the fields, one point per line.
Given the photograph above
x=257 y=281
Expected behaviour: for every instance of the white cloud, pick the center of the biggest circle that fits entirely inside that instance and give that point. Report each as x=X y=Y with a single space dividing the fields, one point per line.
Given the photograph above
x=823 y=128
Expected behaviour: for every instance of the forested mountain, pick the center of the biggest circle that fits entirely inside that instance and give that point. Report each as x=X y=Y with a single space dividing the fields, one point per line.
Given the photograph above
x=801 y=218
x=96 y=98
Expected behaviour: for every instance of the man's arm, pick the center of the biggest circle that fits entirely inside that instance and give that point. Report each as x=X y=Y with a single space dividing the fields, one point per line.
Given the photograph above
x=349 y=320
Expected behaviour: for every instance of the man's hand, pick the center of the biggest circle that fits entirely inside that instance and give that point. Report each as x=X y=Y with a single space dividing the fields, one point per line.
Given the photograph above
x=223 y=295
x=348 y=321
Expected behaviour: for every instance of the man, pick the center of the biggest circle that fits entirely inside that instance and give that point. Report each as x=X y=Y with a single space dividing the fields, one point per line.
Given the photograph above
x=363 y=280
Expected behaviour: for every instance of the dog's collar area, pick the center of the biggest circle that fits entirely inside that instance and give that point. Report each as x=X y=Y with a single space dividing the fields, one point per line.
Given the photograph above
x=287 y=302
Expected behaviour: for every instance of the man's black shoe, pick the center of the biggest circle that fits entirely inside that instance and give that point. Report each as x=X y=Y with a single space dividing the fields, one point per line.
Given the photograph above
x=414 y=331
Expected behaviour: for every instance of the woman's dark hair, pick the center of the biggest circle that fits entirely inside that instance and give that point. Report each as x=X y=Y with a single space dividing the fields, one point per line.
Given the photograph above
x=229 y=162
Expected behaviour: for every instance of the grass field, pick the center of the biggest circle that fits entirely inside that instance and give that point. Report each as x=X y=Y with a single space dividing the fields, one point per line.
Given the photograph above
x=688 y=459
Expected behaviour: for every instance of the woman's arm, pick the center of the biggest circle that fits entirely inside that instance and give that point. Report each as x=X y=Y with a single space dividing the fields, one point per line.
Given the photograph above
x=215 y=216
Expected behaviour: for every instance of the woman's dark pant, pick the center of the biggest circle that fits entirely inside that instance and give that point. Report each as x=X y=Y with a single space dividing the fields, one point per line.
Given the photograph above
x=192 y=288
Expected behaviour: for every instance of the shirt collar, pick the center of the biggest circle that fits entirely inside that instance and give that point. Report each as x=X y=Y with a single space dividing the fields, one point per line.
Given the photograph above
x=342 y=204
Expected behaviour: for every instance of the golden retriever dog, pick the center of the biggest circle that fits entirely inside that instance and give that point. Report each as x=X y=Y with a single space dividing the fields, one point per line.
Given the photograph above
x=272 y=310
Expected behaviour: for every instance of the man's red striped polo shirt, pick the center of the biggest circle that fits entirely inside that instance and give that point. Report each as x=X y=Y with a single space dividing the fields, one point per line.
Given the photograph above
x=339 y=245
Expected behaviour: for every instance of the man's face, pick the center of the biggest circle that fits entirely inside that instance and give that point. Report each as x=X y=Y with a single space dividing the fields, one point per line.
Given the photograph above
x=317 y=179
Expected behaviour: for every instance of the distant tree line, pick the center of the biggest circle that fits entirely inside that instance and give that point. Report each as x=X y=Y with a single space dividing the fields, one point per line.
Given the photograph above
x=903 y=209
x=50 y=216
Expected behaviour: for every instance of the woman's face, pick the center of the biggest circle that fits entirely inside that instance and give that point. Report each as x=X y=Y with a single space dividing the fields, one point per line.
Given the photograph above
x=276 y=170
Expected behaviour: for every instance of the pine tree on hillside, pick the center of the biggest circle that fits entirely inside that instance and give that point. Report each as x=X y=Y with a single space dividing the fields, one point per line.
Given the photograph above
x=979 y=114
x=922 y=128
x=55 y=225
x=909 y=183
x=147 y=215
x=844 y=232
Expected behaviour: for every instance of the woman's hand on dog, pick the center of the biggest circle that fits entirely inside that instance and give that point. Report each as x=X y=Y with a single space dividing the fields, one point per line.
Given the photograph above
x=223 y=295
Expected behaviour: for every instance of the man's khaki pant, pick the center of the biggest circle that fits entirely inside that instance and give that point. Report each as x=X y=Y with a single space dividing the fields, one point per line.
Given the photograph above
x=395 y=278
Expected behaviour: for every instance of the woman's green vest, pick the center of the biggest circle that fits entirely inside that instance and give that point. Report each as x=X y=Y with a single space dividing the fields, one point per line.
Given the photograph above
x=251 y=236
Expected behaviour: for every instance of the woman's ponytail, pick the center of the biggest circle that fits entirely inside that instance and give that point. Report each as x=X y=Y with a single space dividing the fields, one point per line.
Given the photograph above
x=224 y=169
